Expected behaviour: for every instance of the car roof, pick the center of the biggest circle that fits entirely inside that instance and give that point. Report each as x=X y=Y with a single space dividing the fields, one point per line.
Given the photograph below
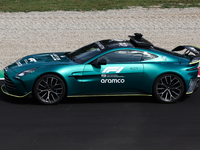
x=113 y=44
x=135 y=41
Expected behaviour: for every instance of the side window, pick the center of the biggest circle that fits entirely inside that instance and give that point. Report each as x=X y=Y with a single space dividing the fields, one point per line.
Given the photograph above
x=122 y=56
x=147 y=56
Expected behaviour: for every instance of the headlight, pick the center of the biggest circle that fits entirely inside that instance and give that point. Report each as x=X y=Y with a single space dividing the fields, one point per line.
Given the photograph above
x=23 y=73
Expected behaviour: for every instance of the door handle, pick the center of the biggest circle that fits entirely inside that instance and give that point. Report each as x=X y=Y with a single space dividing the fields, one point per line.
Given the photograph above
x=134 y=68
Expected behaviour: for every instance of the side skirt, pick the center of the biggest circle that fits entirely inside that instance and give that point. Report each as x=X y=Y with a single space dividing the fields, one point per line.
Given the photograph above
x=98 y=95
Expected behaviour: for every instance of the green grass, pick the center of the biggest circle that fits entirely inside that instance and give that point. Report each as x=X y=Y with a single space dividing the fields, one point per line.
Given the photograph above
x=86 y=5
x=1 y=74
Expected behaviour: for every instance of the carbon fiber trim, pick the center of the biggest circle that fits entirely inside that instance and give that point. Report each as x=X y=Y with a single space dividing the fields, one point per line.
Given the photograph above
x=3 y=89
x=193 y=86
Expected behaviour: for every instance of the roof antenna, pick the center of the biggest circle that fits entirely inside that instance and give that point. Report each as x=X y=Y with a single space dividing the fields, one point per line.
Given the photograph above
x=138 y=35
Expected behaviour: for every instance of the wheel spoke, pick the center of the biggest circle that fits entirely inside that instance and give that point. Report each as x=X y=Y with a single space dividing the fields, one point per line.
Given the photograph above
x=42 y=85
x=166 y=79
x=44 y=94
x=173 y=79
x=56 y=85
x=57 y=89
x=175 y=93
x=162 y=84
x=166 y=95
x=175 y=83
x=48 y=99
x=42 y=90
x=172 y=95
x=176 y=88
x=161 y=88
x=52 y=81
x=56 y=93
x=53 y=97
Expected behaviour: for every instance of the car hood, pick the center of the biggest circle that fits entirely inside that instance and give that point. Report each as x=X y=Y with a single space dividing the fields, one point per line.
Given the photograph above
x=38 y=60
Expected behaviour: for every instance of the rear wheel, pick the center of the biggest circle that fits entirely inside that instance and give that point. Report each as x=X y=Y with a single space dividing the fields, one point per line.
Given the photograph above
x=168 y=88
x=49 y=89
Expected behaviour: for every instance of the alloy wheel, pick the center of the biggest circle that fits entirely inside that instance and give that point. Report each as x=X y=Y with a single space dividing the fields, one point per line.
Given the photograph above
x=49 y=89
x=169 y=88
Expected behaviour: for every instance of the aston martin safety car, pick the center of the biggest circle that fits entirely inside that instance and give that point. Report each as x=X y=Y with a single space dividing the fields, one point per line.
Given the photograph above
x=110 y=67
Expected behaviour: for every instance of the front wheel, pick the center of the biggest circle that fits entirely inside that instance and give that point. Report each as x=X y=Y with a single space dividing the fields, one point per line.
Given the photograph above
x=49 y=89
x=168 y=88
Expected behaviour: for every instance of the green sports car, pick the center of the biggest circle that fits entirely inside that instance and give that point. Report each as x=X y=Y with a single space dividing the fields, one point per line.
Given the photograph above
x=109 y=67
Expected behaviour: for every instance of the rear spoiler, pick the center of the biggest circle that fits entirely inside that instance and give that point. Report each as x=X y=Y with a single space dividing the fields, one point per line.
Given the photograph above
x=188 y=49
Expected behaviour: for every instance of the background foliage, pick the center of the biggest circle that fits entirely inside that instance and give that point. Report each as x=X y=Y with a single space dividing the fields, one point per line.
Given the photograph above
x=86 y=5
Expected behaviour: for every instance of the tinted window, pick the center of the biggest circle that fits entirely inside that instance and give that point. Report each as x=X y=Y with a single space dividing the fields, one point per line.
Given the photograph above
x=85 y=53
x=122 y=56
x=166 y=51
x=147 y=56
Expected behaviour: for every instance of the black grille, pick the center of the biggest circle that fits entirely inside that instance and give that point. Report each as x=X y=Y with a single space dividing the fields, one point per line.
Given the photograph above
x=9 y=84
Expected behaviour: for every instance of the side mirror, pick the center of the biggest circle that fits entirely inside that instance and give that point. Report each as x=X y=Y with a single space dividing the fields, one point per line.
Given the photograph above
x=97 y=62
x=102 y=62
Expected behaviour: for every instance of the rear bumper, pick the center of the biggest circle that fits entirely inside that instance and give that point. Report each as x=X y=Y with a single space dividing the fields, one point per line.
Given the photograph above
x=193 y=86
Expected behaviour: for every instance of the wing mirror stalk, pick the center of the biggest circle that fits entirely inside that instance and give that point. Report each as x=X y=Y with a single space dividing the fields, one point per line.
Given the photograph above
x=100 y=62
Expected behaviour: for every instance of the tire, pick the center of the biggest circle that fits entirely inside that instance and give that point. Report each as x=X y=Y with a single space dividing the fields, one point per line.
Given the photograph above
x=49 y=89
x=168 y=88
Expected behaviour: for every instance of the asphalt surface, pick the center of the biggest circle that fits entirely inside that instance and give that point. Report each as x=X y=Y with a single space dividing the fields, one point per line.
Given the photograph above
x=103 y=123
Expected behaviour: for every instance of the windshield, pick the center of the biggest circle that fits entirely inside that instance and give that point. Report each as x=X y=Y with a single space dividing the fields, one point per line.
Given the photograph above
x=84 y=54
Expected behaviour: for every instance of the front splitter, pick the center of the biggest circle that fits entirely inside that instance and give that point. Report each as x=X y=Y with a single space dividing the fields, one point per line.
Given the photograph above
x=3 y=89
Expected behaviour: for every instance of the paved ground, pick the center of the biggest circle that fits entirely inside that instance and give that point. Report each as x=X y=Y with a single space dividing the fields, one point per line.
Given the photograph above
x=97 y=123
x=35 y=32
x=100 y=124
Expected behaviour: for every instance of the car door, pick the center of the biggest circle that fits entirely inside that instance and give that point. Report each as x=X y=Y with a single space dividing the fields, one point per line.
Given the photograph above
x=119 y=71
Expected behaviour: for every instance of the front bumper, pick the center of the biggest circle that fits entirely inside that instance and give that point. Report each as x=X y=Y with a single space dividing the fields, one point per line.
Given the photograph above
x=3 y=89
x=17 y=87
x=194 y=84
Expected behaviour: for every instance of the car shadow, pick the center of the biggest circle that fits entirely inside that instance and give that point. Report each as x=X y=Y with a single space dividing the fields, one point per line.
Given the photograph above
x=73 y=100
x=109 y=99
x=117 y=99
x=70 y=100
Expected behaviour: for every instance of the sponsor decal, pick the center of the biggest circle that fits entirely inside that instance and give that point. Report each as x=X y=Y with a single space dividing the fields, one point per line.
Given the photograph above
x=26 y=61
x=112 y=69
x=32 y=60
x=123 y=44
x=111 y=76
x=112 y=80
x=55 y=57
x=117 y=40
x=100 y=45
x=164 y=58
x=19 y=64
